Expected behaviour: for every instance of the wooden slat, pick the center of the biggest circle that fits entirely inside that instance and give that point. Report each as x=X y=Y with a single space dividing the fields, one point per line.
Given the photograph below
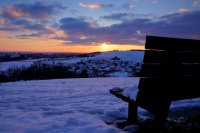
x=152 y=56
x=180 y=82
x=151 y=70
x=175 y=89
x=163 y=56
x=153 y=84
x=166 y=43
x=151 y=102
x=187 y=94
x=189 y=69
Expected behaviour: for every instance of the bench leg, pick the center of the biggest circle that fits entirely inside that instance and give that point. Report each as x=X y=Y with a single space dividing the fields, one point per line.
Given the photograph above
x=161 y=117
x=132 y=113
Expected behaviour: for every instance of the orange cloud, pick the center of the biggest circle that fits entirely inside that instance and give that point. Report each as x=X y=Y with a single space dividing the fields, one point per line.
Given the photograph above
x=52 y=36
x=182 y=10
x=37 y=10
x=90 y=6
x=13 y=12
x=2 y=33
x=3 y=21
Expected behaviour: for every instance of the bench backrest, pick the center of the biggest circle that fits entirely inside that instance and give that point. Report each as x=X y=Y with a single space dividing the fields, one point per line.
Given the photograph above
x=171 y=68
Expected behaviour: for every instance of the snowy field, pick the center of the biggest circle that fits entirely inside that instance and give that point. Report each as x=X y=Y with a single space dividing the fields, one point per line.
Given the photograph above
x=66 y=105
x=11 y=64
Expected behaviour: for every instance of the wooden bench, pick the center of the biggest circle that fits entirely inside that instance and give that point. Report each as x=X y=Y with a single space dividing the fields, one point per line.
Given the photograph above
x=170 y=72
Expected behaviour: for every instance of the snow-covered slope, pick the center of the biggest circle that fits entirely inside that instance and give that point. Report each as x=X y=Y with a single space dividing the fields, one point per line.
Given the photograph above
x=66 y=105
x=135 y=56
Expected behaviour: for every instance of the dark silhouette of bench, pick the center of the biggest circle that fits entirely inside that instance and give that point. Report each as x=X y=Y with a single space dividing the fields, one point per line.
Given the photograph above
x=170 y=72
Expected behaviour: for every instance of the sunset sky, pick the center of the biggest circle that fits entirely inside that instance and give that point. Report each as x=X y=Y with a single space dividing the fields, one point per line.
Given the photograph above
x=93 y=25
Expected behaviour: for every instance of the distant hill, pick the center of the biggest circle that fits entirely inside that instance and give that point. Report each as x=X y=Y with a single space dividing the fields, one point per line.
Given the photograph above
x=135 y=56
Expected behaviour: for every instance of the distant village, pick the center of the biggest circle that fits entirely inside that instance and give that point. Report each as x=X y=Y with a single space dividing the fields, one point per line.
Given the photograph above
x=105 y=68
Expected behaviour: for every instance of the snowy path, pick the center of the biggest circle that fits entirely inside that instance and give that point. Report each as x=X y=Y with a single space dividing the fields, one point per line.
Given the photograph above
x=63 y=105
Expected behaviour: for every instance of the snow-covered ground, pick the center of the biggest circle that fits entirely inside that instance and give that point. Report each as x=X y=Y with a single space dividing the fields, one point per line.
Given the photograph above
x=66 y=105
x=22 y=63
x=135 y=56
x=119 y=74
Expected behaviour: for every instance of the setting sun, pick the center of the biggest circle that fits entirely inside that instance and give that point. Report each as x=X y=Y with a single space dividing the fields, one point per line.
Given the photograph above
x=104 y=47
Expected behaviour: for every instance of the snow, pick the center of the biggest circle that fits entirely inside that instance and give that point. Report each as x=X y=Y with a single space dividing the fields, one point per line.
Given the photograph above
x=68 y=105
x=22 y=63
x=62 y=105
x=119 y=74
x=133 y=56
x=131 y=92
x=73 y=60
x=136 y=56
x=183 y=104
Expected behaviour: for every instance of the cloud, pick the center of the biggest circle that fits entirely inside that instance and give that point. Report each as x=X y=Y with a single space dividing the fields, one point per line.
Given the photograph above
x=3 y=34
x=10 y=28
x=91 y=6
x=74 y=25
x=51 y=33
x=97 y=6
x=74 y=11
x=108 y=6
x=126 y=16
x=116 y=16
x=32 y=18
x=35 y=10
x=196 y=3
x=132 y=28
x=43 y=32
x=11 y=13
x=155 y=1
x=117 y=34
x=37 y=27
x=21 y=22
x=182 y=10
x=183 y=25
x=128 y=6
x=3 y=21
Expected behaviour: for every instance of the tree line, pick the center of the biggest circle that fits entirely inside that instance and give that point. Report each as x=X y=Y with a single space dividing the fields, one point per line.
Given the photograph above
x=39 y=71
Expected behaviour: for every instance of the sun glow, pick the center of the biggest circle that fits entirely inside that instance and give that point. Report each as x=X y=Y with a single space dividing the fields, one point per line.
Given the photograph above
x=104 y=47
